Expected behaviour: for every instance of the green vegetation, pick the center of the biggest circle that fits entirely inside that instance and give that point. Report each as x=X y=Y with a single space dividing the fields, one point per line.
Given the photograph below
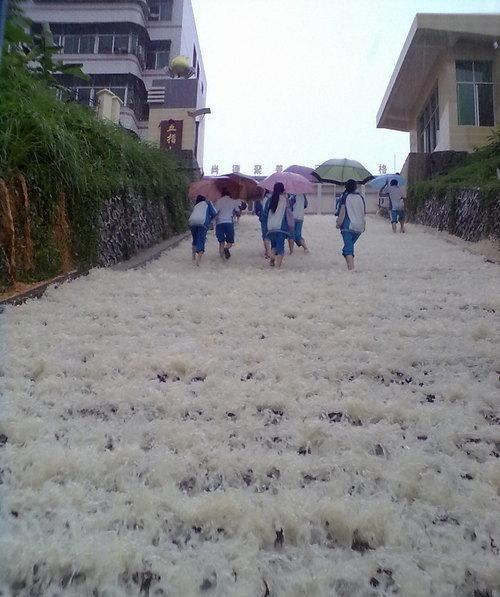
x=478 y=170
x=64 y=153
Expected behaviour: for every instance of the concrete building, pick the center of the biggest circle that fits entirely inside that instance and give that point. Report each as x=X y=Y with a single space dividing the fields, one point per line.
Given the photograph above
x=445 y=88
x=125 y=46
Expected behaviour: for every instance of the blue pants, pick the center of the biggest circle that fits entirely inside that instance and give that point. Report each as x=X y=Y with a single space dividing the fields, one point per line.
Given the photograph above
x=263 y=228
x=225 y=233
x=277 y=239
x=298 y=232
x=199 y=237
x=349 y=239
x=397 y=215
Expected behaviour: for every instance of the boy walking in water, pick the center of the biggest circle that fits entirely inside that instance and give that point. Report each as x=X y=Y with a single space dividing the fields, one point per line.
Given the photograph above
x=224 y=228
x=396 y=205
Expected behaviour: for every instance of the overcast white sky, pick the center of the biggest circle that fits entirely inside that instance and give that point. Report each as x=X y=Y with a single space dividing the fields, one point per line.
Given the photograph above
x=301 y=81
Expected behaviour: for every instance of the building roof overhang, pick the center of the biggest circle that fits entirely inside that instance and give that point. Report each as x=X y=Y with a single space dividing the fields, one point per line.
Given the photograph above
x=429 y=35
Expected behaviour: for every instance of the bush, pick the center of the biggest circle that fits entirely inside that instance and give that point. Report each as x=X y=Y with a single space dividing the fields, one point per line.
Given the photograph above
x=479 y=170
x=62 y=150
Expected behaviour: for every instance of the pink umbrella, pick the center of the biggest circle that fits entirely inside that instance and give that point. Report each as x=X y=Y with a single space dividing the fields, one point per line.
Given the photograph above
x=294 y=184
x=304 y=171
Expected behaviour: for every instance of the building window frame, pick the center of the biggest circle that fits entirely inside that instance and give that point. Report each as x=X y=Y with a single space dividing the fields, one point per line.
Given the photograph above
x=121 y=91
x=161 y=10
x=428 y=124
x=161 y=52
x=470 y=88
x=129 y=89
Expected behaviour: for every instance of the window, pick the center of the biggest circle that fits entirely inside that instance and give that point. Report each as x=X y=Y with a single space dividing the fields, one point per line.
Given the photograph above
x=195 y=57
x=128 y=88
x=428 y=125
x=87 y=43
x=120 y=92
x=71 y=44
x=134 y=45
x=76 y=44
x=83 y=95
x=475 y=93
x=58 y=40
x=105 y=44
x=121 y=44
x=101 y=43
x=158 y=55
x=161 y=10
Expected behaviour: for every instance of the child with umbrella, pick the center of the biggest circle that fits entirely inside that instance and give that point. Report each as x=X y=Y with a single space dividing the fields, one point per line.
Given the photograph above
x=280 y=221
x=224 y=228
x=260 y=212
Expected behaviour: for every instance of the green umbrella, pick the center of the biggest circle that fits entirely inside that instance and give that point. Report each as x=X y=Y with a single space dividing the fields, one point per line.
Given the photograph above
x=340 y=171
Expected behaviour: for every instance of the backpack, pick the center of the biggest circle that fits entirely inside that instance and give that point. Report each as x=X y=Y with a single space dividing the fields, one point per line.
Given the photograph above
x=198 y=216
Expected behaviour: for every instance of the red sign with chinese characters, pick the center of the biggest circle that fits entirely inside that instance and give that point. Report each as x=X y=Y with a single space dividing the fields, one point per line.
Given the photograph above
x=171 y=134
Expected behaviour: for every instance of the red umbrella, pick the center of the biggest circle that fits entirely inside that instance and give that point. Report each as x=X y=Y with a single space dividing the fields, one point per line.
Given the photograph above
x=211 y=187
x=294 y=184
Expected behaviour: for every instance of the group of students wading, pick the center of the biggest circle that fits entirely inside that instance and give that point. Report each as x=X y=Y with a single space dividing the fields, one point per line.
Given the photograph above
x=281 y=217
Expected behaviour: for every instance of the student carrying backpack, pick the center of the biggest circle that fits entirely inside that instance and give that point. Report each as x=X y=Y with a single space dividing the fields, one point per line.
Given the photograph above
x=351 y=220
x=199 y=221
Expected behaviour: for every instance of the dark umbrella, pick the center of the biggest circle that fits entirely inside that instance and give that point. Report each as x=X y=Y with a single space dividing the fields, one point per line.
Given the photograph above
x=212 y=187
x=248 y=188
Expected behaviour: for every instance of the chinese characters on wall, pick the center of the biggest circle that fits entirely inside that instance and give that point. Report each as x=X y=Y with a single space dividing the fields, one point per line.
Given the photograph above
x=171 y=135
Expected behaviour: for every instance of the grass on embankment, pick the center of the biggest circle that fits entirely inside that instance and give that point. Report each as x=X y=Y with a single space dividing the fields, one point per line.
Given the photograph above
x=62 y=150
x=478 y=170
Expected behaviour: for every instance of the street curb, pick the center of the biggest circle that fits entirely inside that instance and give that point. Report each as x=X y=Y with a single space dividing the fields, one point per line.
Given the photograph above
x=139 y=260
x=39 y=290
x=147 y=255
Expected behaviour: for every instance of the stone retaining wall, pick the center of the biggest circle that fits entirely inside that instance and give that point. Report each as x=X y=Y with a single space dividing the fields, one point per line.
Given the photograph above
x=467 y=214
x=128 y=224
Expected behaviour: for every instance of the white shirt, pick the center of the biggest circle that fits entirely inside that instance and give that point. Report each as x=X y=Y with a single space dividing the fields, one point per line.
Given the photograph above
x=299 y=206
x=274 y=220
x=355 y=207
x=225 y=206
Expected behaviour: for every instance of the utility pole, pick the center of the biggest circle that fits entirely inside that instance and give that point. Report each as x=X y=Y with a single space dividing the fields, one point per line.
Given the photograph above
x=3 y=18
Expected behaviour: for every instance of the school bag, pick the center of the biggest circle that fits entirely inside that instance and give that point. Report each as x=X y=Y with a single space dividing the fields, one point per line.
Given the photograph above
x=198 y=216
x=356 y=210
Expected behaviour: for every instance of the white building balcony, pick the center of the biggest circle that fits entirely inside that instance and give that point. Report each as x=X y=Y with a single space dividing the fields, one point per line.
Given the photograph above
x=101 y=64
x=127 y=11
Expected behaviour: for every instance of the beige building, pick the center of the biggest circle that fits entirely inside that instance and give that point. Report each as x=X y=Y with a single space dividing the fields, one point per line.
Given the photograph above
x=445 y=89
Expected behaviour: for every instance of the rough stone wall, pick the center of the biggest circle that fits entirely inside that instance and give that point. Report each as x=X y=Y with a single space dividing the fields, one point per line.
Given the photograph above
x=422 y=166
x=128 y=224
x=465 y=214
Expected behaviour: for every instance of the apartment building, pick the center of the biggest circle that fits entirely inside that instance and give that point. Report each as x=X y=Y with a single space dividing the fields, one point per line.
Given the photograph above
x=126 y=46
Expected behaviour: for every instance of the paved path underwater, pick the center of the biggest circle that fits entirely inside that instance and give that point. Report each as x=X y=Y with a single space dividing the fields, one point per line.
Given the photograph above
x=234 y=430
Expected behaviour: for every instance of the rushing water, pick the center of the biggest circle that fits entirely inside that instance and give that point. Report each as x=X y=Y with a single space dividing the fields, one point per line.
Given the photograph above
x=234 y=430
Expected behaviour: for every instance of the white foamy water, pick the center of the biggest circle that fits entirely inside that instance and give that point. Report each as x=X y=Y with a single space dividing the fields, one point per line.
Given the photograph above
x=233 y=430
